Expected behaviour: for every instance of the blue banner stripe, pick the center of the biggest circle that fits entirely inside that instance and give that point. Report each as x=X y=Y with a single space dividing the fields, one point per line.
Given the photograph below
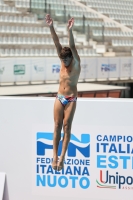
x=85 y=138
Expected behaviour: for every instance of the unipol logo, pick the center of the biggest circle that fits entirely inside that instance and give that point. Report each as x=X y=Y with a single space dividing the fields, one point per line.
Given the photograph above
x=45 y=140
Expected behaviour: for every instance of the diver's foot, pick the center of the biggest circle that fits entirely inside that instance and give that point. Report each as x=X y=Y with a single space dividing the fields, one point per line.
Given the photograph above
x=54 y=164
x=60 y=165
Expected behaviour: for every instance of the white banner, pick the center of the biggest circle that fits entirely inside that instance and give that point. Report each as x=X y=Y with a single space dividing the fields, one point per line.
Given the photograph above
x=91 y=64
x=99 y=159
x=102 y=68
x=113 y=68
x=38 y=69
x=21 y=69
x=6 y=70
x=125 y=68
x=83 y=69
x=52 y=69
x=48 y=69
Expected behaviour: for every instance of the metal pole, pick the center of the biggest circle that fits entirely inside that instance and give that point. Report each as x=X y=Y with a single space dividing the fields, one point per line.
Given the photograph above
x=30 y=5
x=83 y=24
x=69 y=16
x=88 y=32
x=45 y=6
x=64 y=14
x=50 y=9
x=103 y=34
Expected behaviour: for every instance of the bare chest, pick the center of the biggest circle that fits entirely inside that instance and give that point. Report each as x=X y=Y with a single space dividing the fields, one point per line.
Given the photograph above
x=67 y=73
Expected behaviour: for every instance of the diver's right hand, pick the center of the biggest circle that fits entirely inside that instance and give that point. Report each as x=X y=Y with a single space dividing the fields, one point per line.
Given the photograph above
x=49 y=20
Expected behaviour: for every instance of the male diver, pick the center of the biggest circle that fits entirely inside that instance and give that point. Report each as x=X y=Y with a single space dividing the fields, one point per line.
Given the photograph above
x=65 y=102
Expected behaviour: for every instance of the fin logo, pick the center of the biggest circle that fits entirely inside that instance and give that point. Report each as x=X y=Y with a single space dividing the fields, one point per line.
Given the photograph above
x=45 y=141
x=108 y=67
x=55 y=68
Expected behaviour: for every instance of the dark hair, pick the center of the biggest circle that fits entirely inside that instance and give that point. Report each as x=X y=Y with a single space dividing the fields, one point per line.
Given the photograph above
x=65 y=52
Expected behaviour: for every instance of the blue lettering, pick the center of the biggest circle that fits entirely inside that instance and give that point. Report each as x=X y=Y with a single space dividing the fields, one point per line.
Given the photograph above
x=111 y=177
x=85 y=171
x=125 y=158
x=118 y=179
x=68 y=161
x=37 y=160
x=101 y=159
x=129 y=180
x=104 y=146
x=119 y=138
x=105 y=138
x=42 y=160
x=113 y=138
x=114 y=164
x=128 y=148
x=49 y=170
x=81 y=162
x=74 y=178
x=97 y=148
x=48 y=160
x=37 y=169
x=120 y=149
x=54 y=181
x=68 y=171
x=112 y=148
x=62 y=181
x=65 y=181
x=76 y=162
x=43 y=168
x=87 y=182
x=99 y=138
x=40 y=180
x=129 y=139
x=87 y=162
x=121 y=181
x=77 y=170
